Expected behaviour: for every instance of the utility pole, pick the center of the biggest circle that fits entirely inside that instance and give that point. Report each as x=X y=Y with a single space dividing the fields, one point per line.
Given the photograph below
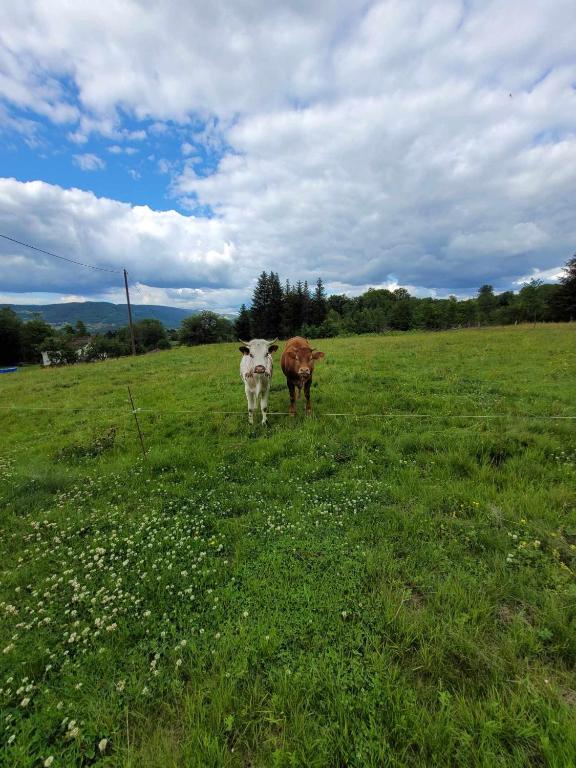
x=129 y=313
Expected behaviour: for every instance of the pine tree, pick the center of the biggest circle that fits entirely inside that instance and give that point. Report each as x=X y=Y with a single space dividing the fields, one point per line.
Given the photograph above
x=243 y=324
x=306 y=303
x=273 y=326
x=290 y=313
x=318 y=306
x=260 y=301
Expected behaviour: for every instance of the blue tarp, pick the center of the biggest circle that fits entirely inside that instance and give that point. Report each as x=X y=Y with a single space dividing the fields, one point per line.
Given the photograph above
x=8 y=370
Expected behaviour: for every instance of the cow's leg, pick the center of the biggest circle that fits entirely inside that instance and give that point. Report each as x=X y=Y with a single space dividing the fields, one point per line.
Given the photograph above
x=264 y=403
x=251 y=398
x=307 y=386
x=291 y=389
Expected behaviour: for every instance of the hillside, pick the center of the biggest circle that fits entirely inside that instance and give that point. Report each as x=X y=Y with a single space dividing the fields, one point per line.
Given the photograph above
x=392 y=589
x=101 y=315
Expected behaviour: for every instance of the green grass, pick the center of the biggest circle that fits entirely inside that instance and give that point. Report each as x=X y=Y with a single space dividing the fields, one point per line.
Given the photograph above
x=334 y=591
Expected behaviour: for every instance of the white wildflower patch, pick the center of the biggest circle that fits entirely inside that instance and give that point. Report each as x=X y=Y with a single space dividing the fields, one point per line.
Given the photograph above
x=107 y=563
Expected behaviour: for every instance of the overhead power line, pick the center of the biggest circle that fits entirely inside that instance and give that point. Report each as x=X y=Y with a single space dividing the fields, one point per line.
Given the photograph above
x=64 y=258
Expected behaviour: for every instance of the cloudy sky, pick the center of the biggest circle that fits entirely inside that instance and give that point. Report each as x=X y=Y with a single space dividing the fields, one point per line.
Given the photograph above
x=423 y=143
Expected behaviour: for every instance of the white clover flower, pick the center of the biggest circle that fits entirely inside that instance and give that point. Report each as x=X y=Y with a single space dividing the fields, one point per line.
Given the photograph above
x=245 y=614
x=178 y=662
x=102 y=744
x=25 y=701
x=48 y=762
x=11 y=738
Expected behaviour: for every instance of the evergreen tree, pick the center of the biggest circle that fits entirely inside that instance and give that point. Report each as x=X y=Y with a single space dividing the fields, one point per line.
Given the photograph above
x=243 y=324
x=306 y=303
x=318 y=307
x=274 y=310
x=260 y=301
x=292 y=311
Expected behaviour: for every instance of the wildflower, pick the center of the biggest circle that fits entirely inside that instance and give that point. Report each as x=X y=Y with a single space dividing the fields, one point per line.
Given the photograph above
x=245 y=614
x=48 y=762
x=11 y=738
x=102 y=744
x=178 y=662
x=25 y=701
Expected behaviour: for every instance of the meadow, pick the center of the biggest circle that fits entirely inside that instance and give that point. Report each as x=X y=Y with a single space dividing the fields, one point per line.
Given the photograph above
x=354 y=590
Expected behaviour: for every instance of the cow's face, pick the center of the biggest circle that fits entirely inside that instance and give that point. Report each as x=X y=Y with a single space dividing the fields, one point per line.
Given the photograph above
x=260 y=353
x=304 y=360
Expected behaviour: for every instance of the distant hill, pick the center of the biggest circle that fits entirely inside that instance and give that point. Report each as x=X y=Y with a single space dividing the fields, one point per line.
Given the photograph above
x=101 y=315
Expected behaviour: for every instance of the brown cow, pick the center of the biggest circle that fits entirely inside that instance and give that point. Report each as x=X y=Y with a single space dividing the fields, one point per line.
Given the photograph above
x=297 y=363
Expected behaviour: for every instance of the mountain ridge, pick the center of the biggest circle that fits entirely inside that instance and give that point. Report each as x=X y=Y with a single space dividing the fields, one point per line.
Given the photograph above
x=101 y=315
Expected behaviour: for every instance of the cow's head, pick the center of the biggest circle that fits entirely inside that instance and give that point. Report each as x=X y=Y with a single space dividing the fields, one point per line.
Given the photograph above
x=303 y=359
x=260 y=353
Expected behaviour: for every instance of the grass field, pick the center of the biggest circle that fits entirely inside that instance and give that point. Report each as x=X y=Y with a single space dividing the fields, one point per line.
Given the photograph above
x=333 y=591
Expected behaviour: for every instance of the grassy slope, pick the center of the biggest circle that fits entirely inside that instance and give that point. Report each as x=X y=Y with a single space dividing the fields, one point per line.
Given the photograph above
x=327 y=592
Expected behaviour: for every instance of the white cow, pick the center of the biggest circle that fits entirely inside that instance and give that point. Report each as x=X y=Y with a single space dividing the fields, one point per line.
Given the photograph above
x=256 y=372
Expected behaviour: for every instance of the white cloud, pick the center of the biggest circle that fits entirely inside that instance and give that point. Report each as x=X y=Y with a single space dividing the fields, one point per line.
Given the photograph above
x=89 y=162
x=157 y=248
x=115 y=149
x=71 y=298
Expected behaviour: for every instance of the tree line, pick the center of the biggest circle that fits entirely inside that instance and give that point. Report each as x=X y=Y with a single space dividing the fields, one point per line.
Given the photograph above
x=297 y=309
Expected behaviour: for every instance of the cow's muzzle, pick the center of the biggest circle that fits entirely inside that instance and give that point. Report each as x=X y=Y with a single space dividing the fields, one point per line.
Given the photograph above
x=259 y=369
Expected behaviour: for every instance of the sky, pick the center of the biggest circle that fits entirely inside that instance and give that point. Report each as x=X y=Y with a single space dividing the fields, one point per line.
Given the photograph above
x=429 y=144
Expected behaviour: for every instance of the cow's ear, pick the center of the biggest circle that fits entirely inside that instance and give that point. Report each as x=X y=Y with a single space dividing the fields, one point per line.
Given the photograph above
x=244 y=350
x=273 y=348
x=317 y=355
